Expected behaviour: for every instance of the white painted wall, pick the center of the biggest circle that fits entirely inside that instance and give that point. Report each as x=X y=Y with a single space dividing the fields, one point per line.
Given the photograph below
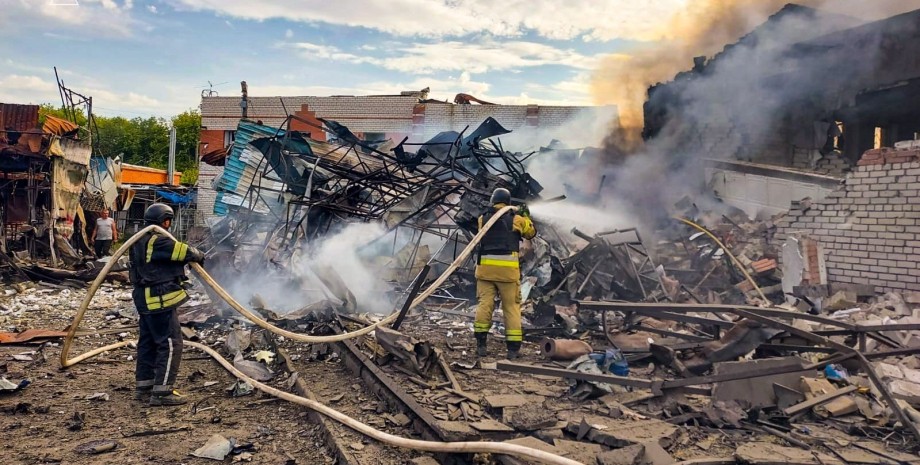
x=760 y=194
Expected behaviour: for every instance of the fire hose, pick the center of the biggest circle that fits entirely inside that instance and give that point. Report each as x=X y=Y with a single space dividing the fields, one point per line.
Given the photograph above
x=430 y=446
x=728 y=252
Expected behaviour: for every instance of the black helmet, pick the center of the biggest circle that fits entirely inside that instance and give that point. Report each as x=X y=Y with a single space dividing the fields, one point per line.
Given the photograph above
x=158 y=213
x=501 y=195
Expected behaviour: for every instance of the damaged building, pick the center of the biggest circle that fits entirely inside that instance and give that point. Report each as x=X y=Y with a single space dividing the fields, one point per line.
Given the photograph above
x=825 y=126
x=411 y=115
x=43 y=168
x=808 y=90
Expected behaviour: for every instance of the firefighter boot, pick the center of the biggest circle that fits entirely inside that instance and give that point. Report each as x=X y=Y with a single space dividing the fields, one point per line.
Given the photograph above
x=167 y=399
x=142 y=393
x=481 y=350
x=514 y=349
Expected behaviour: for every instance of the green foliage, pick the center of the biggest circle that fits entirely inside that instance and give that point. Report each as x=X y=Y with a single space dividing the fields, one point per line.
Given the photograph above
x=189 y=176
x=49 y=109
x=144 y=141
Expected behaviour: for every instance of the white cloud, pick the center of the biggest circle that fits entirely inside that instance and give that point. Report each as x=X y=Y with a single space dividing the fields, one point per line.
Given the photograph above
x=28 y=89
x=474 y=57
x=152 y=9
x=594 y=19
x=327 y=52
x=288 y=34
x=105 y=18
x=32 y=89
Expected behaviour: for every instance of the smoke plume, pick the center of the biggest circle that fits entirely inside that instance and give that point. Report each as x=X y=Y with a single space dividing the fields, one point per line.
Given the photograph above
x=703 y=28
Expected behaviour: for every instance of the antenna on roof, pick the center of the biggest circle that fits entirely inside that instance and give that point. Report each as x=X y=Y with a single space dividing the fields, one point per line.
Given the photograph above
x=210 y=92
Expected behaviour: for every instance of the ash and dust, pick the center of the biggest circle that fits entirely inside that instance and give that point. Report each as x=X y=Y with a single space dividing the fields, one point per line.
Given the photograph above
x=351 y=252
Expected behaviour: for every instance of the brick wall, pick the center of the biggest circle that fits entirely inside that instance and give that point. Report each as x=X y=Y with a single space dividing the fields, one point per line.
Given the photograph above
x=312 y=126
x=206 y=193
x=870 y=228
x=214 y=138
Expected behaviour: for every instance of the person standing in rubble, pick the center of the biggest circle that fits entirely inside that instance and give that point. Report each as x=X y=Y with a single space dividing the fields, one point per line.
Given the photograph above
x=498 y=272
x=157 y=271
x=103 y=234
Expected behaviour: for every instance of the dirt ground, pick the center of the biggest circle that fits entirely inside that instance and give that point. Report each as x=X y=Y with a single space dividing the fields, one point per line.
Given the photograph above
x=37 y=422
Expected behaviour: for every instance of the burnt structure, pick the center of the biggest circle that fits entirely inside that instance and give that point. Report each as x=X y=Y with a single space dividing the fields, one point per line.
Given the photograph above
x=804 y=84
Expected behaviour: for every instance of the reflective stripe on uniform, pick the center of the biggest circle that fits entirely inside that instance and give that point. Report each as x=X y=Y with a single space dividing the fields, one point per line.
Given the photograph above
x=156 y=302
x=179 y=251
x=510 y=260
x=514 y=335
x=150 y=243
x=482 y=327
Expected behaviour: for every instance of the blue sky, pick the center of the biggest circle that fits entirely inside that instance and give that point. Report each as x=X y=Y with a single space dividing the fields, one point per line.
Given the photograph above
x=153 y=57
x=146 y=57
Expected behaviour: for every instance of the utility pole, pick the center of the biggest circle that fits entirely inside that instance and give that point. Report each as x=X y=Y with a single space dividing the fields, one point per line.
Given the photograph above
x=171 y=163
x=244 y=103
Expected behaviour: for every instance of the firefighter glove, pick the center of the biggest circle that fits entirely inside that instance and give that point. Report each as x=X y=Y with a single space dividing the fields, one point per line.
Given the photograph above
x=523 y=210
x=195 y=255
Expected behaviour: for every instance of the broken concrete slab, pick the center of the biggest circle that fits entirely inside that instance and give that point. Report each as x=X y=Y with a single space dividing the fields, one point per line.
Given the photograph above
x=617 y=433
x=841 y=300
x=654 y=454
x=512 y=400
x=839 y=407
x=529 y=417
x=629 y=455
x=887 y=452
x=905 y=390
x=887 y=371
x=827 y=398
x=491 y=426
x=786 y=396
x=758 y=392
x=527 y=441
x=765 y=453
x=583 y=452
x=853 y=455
x=216 y=448
x=456 y=430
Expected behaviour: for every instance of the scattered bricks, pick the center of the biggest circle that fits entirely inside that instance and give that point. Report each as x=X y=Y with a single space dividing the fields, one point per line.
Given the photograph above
x=744 y=286
x=764 y=266
x=841 y=301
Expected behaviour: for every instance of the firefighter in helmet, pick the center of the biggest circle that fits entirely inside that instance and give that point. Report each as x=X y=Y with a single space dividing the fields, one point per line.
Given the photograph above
x=498 y=273
x=157 y=270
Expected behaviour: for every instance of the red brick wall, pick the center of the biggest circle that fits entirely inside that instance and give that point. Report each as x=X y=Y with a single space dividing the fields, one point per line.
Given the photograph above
x=214 y=138
x=885 y=155
x=305 y=113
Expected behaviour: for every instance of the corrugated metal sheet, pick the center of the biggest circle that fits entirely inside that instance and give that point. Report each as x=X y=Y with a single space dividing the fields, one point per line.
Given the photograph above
x=58 y=126
x=18 y=117
x=242 y=168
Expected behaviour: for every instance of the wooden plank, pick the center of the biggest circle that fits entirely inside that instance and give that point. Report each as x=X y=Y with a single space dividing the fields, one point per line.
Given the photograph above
x=802 y=406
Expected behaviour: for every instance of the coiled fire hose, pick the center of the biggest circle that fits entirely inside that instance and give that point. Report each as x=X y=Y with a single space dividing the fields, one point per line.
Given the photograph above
x=386 y=438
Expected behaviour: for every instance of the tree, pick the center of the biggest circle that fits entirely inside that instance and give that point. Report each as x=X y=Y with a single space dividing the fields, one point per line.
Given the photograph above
x=188 y=133
x=142 y=141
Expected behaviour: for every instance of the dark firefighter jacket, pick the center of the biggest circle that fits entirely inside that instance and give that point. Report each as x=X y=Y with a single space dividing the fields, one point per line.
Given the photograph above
x=157 y=271
x=498 y=250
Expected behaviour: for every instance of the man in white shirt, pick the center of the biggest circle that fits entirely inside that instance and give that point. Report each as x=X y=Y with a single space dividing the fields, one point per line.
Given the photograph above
x=103 y=234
